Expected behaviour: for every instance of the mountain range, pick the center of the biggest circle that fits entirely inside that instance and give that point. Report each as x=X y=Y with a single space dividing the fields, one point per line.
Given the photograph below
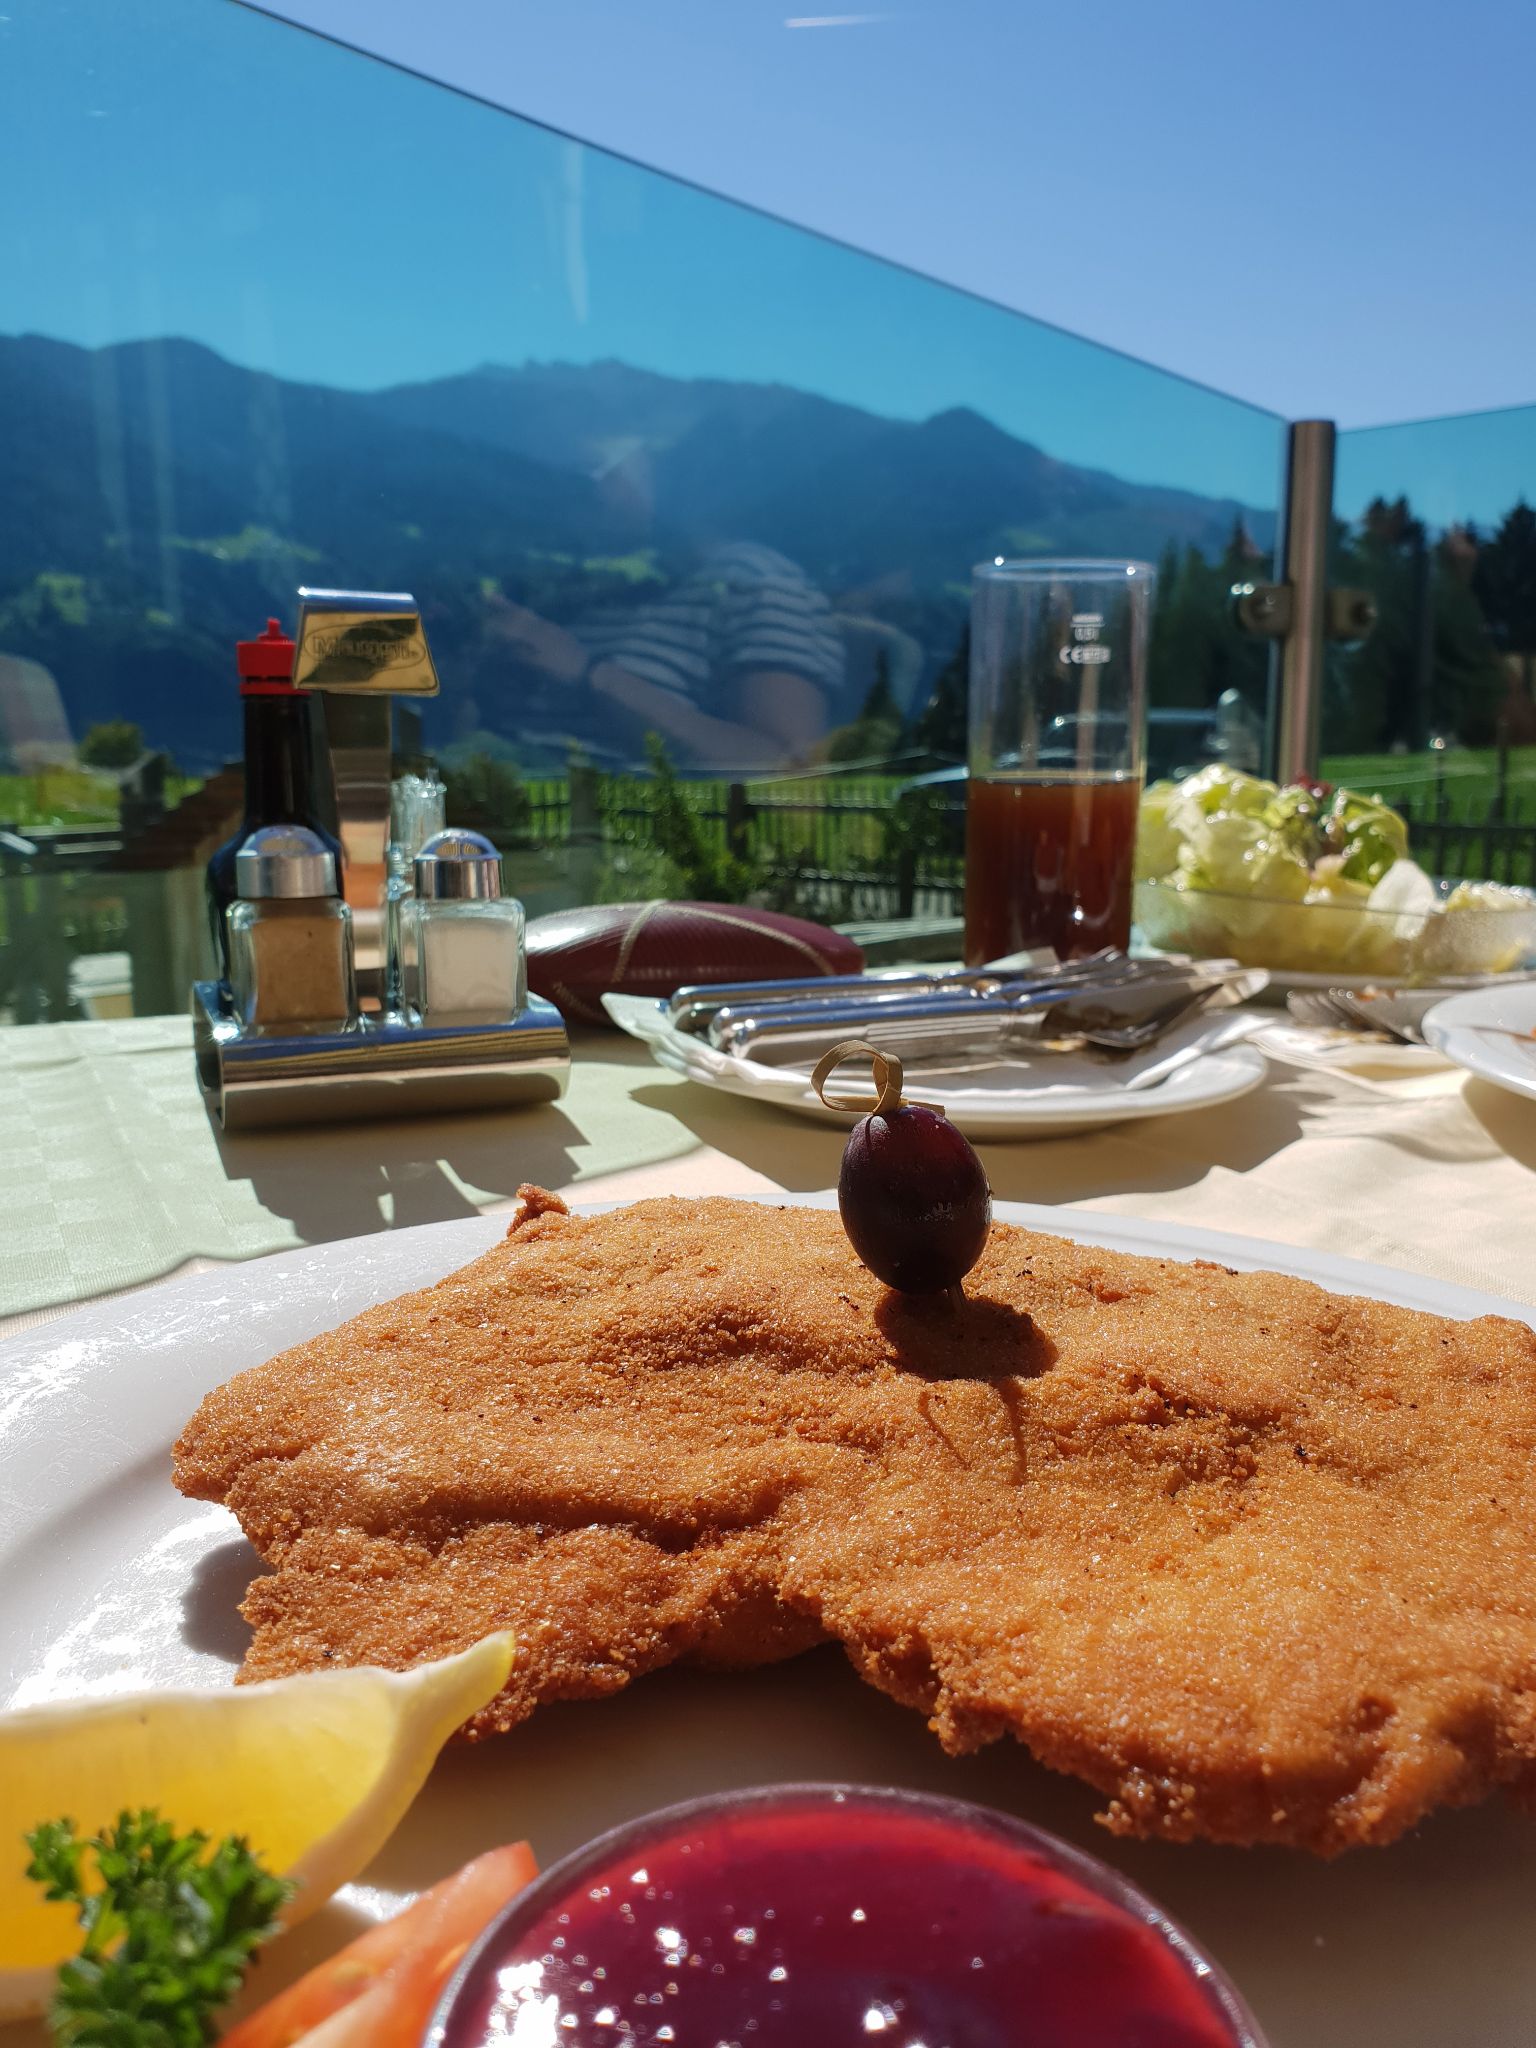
x=157 y=501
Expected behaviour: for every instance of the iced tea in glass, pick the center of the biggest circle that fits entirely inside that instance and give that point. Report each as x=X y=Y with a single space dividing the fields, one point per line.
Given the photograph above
x=1057 y=717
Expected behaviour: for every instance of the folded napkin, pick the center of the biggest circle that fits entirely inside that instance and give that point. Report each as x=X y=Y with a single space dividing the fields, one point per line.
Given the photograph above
x=1370 y=1062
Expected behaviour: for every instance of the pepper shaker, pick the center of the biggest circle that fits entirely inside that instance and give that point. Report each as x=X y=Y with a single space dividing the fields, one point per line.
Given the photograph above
x=290 y=936
x=464 y=955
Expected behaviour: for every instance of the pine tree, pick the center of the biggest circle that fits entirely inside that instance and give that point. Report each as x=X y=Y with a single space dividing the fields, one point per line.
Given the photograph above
x=1468 y=681
x=1381 y=677
x=1504 y=583
x=940 y=727
x=879 y=705
x=1428 y=662
x=876 y=733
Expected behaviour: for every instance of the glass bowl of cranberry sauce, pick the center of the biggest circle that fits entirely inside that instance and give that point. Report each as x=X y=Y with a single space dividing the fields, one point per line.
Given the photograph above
x=824 y=1916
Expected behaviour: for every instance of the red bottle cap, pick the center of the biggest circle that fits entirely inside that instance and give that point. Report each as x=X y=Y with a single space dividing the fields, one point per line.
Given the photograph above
x=266 y=664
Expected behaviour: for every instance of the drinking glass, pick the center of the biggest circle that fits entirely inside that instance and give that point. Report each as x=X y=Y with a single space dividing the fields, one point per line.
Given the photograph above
x=1057 y=718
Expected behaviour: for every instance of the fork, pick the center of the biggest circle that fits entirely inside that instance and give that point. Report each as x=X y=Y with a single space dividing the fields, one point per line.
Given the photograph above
x=1128 y=1038
x=1337 y=1009
x=1396 y=1017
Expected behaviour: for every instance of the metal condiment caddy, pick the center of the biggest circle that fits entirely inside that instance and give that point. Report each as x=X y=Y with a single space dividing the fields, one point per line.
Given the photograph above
x=376 y=1068
x=493 y=1047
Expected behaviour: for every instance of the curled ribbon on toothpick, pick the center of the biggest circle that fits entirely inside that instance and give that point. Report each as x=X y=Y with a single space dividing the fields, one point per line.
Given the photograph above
x=888 y=1076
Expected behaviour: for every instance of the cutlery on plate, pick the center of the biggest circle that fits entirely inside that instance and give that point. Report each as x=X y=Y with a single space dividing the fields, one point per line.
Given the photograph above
x=694 y=1009
x=1397 y=1015
x=1115 y=1017
x=1104 y=975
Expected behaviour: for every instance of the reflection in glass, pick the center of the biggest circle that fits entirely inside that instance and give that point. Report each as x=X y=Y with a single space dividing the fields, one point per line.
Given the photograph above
x=1437 y=708
x=690 y=497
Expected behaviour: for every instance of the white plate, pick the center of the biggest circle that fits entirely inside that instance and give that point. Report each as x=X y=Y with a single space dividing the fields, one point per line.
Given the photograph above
x=1475 y=1031
x=109 y=1580
x=1281 y=983
x=1047 y=1098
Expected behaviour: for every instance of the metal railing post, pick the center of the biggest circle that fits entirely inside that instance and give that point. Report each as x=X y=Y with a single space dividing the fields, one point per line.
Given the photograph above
x=1298 y=611
x=1303 y=564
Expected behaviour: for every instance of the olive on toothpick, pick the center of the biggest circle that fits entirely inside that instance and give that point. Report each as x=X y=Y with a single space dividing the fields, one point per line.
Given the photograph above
x=912 y=1194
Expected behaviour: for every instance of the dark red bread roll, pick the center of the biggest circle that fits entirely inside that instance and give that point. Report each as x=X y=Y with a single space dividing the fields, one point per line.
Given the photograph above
x=575 y=957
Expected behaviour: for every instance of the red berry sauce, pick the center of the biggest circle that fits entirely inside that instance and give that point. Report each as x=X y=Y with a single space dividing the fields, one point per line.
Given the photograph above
x=821 y=1918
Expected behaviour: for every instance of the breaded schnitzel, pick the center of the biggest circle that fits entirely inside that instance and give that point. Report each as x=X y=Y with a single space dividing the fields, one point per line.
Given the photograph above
x=1257 y=1561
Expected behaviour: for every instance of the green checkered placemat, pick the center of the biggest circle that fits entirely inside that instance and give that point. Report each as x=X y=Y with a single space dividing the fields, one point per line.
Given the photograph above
x=111 y=1172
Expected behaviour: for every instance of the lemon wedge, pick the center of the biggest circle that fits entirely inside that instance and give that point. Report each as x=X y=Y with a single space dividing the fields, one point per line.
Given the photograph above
x=315 y=1770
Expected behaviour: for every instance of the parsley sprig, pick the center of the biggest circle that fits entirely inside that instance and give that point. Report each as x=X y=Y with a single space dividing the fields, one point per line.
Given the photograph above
x=170 y=1923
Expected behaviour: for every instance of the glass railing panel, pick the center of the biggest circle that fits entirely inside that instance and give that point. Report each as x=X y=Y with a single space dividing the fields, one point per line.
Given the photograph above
x=680 y=488
x=1438 y=707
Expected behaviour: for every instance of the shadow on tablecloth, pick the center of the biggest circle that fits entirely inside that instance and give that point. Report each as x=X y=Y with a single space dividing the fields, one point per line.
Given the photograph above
x=1509 y=1119
x=1152 y=1154
x=347 y=1180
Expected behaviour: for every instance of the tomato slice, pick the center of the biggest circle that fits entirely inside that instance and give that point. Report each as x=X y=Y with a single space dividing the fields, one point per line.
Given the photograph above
x=400 y=1965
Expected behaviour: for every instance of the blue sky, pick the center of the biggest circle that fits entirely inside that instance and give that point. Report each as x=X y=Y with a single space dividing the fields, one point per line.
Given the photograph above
x=193 y=168
x=196 y=169
x=1323 y=206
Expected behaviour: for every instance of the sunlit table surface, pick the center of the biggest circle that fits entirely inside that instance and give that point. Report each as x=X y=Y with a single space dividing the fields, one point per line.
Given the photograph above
x=112 y=1174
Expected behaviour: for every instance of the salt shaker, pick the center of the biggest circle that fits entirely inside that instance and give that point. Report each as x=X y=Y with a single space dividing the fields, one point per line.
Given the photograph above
x=463 y=940
x=290 y=936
